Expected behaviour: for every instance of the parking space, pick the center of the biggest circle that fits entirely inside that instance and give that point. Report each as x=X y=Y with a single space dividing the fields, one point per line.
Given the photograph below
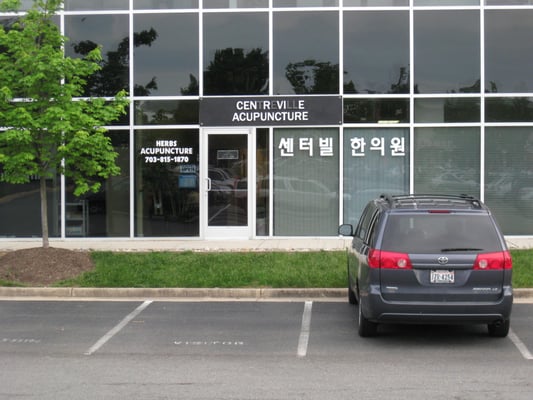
x=56 y=327
x=334 y=332
x=240 y=329
x=211 y=328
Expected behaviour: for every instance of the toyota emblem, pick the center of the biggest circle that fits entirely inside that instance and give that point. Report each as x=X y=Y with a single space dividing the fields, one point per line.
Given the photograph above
x=442 y=260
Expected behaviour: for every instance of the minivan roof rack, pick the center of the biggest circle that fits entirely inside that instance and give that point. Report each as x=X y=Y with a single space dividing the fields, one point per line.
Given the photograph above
x=431 y=200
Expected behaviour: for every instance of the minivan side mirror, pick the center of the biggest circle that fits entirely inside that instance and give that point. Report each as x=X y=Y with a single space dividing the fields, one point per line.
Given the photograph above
x=346 y=230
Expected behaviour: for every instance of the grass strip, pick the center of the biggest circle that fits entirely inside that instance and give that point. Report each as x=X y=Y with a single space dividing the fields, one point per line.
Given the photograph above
x=223 y=270
x=325 y=269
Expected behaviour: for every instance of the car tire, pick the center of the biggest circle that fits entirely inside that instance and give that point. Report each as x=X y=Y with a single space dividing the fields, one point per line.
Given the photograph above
x=366 y=327
x=500 y=329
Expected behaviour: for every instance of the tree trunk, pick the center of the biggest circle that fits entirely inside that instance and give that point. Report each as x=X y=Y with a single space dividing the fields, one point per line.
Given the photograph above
x=44 y=211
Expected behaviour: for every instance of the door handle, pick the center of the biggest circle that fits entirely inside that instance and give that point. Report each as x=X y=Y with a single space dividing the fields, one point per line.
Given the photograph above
x=208 y=184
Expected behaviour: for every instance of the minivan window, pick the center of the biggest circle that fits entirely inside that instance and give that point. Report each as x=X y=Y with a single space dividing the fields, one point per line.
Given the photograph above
x=437 y=233
x=362 y=229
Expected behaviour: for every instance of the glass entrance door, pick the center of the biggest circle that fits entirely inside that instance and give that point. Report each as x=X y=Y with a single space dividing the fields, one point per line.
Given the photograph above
x=227 y=183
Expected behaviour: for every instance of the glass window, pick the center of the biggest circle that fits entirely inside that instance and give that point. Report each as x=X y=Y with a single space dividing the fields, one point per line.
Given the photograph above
x=235 y=53
x=106 y=212
x=165 y=4
x=506 y=2
x=376 y=52
x=166 y=54
x=432 y=233
x=508 y=51
x=447 y=161
x=20 y=208
x=306 y=59
x=111 y=32
x=262 y=157
x=26 y=5
x=509 y=109
x=166 y=183
x=386 y=111
x=376 y=161
x=235 y=3
x=376 y=3
x=446 y=51
x=306 y=3
x=306 y=182
x=440 y=3
x=166 y=112
x=447 y=110
x=509 y=179
x=75 y=5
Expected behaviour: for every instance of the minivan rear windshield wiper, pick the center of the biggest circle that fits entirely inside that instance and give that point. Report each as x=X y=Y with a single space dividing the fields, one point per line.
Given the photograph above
x=460 y=249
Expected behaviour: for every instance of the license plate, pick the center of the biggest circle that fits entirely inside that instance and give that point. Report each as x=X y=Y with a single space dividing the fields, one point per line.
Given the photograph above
x=442 y=276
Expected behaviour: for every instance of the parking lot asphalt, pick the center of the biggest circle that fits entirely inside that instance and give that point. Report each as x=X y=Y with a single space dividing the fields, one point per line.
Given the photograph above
x=217 y=350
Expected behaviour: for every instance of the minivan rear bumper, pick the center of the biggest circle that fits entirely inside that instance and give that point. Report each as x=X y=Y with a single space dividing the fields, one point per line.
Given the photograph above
x=376 y=309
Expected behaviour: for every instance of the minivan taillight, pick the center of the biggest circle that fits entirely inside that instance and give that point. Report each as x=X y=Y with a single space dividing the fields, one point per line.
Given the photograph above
x=492 y=261
x=388 y=260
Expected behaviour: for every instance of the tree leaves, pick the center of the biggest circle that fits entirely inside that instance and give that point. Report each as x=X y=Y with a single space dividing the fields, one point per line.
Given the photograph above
x=47 y=128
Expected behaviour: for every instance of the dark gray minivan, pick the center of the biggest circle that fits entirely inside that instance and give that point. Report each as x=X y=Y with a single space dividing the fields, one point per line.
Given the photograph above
x=429 y=259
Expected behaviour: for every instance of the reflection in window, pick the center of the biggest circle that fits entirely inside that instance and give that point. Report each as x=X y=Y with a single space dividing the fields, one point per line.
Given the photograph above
x=447 y=161
x=376 y=52
x=20 y=208
x=262 y=184
x=376 y=161
x=509 y=109
x=166 y=54
x=508 y=51
x=96 y=5
x=447 y=51
x=26 y=5
x=87 y=32
x=306 y=59
x=376 y=3
x=164 y=4
x=508 y=177
x=385 y=111
x=306 y=3
x=306 y=182
x=166 y=185
x=106 y=212
x=447 y=110
x=235 y=3
x=440 y=3
x=506 y=2
x=235 y=63
x=166 y=112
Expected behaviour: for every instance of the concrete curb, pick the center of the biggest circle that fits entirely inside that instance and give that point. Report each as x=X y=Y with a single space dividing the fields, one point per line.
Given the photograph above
x=193 y=293
x=177 y=293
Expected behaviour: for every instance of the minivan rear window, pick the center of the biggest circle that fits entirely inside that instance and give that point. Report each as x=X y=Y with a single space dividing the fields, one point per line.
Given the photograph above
x=441 y=232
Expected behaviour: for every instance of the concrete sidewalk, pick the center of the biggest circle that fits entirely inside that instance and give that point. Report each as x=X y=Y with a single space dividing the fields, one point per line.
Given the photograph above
x=196 y=244
x=193 y=244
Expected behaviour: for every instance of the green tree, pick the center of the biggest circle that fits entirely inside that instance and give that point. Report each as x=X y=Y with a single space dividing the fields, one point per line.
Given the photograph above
x=48 y=128
x=313 y=77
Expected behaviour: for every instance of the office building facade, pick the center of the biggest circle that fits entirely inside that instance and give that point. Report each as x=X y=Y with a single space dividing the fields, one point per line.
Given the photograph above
x=282 y=118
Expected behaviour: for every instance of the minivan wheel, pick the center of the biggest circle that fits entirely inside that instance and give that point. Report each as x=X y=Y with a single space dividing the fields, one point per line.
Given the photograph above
x=500 y=328
x=366 y=327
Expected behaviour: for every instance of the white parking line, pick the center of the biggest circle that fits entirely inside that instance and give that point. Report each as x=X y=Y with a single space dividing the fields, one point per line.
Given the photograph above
x=305 y=330
x=520 y=345
x=117 y=328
